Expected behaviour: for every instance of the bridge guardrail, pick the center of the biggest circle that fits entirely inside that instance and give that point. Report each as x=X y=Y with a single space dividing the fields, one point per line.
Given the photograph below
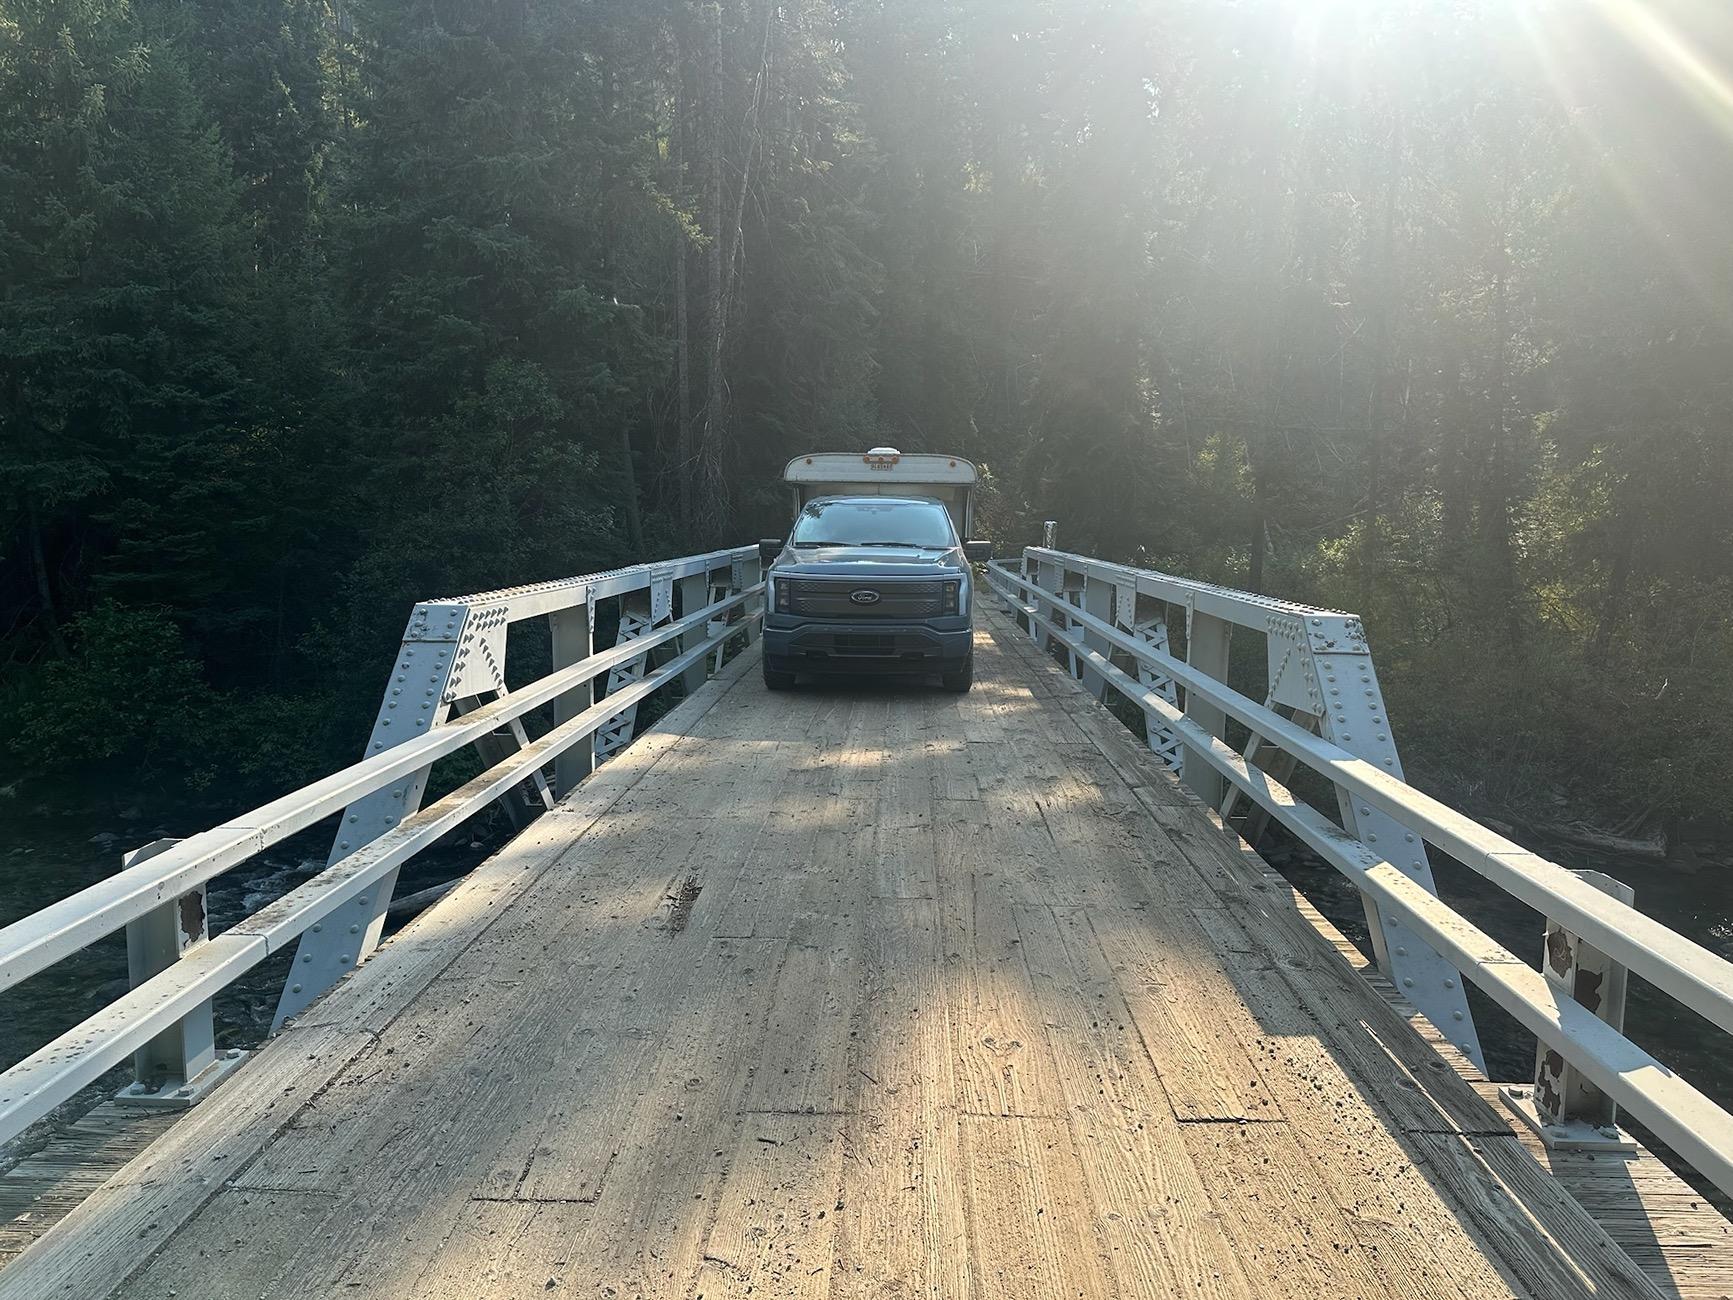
x=447 y=690
x=1104 y=617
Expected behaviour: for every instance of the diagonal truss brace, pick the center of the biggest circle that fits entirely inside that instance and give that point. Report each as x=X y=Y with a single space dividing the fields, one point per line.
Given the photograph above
x=1320 y=669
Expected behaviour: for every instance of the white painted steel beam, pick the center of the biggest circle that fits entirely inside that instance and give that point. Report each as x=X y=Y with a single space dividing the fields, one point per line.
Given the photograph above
x=1700 y=1131
x=569 y=593
x=42 y=1081
x=1685 y=970
x=73 y=923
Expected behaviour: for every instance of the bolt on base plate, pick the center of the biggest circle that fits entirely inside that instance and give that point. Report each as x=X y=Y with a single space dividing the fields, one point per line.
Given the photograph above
x=175 y=1094
x=1572 y=1135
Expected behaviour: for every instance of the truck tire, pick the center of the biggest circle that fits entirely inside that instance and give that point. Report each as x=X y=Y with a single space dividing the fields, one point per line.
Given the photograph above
x=960 y=679
x=776 y=679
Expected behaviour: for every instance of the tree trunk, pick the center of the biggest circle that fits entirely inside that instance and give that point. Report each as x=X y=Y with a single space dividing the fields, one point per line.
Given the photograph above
x=1495 y=494
x=682 y=314
x=1377 y=397
x=724 y=258
x=709 y=453
x=629 y=467
x=44 y=584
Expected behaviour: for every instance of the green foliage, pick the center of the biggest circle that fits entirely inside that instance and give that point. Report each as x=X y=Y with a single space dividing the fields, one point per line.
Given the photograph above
x=1410 y=307
x=130 y=689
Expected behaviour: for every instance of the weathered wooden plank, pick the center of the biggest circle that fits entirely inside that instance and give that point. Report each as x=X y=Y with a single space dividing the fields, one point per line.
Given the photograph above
x=1160 y=1228
x=878 y=992
x=903 y=1231
x=1192 y=1022
x=808 y=1060
x=1031 y=1229
x=775 y=1221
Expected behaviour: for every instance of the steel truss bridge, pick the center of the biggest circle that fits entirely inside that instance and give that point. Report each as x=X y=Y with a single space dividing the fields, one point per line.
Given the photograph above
x=868 y=990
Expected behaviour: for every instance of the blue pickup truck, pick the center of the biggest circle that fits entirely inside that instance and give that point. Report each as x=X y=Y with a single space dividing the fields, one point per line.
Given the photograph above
x=874 y=576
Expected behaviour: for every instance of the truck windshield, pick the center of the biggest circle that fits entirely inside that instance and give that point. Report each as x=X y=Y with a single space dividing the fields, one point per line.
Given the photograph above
x=874 y=523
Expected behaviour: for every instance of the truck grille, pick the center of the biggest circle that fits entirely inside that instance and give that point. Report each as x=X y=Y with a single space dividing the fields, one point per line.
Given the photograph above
x=830 y=599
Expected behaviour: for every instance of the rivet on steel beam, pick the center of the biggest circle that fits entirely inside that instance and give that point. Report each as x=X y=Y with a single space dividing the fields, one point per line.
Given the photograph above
x=306 y=956
x=1449 y=984
x=317 y=928
x=1456 y=1015
x=344 y=959
x=1407 y=984
x=354 y=929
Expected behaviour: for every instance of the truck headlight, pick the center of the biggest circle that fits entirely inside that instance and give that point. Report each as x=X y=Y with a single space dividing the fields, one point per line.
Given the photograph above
x=780 y=595
x=952 y=595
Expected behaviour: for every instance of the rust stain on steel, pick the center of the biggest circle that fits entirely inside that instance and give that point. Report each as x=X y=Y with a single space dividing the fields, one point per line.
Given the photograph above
x=1546 y=1093
x=192 y=912
x=1558 y=950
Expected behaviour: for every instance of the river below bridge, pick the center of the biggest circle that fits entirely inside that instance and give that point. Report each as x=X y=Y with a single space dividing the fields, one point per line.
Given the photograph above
x=47 y=853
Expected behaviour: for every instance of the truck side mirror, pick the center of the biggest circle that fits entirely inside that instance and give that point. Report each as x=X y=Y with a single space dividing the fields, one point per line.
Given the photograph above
x=768 y=549
x=977 y=552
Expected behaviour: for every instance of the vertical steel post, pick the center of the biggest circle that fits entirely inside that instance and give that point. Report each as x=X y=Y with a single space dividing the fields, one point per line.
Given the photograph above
x=1564 y=1107
x=574 y=640
x=694 y=596
x=1098 y=602
x=181 y=1064
x=1207 y=642
x=751 y=574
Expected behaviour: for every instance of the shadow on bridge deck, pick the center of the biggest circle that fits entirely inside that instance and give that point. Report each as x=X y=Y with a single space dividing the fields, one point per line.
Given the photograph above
x=851 y=991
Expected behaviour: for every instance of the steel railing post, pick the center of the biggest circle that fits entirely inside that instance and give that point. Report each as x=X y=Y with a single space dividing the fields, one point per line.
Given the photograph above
x=1564 y=1107
x=181 y=1064
x=1098 y=602
x=1208 y=640
x=574 y=640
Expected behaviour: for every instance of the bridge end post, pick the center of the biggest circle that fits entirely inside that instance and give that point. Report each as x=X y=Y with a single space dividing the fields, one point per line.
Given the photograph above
x=181 y=1064
x=1564 y=1108
x=449 y=652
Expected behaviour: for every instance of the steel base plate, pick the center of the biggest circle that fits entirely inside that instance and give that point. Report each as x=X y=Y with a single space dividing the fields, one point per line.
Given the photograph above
x=1572 y=1135
x=176 y=1095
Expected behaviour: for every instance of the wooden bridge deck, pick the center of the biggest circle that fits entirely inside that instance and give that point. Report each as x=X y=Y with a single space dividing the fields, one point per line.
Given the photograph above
x=849 y=992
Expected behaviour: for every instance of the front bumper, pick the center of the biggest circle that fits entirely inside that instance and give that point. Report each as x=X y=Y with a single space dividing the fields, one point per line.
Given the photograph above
x=794 y=644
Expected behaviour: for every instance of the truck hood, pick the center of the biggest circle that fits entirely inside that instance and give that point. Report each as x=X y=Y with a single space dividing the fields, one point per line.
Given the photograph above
x=867 y=561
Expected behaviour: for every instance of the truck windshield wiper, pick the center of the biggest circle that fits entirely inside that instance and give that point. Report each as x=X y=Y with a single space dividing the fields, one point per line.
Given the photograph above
x=913 y=546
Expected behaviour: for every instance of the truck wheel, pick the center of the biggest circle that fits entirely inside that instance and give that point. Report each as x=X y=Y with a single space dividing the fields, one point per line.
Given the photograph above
x=960 y=680
x=775 y=679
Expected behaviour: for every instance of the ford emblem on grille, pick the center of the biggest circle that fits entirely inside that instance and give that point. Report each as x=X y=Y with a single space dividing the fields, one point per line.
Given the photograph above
x=865 y=596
